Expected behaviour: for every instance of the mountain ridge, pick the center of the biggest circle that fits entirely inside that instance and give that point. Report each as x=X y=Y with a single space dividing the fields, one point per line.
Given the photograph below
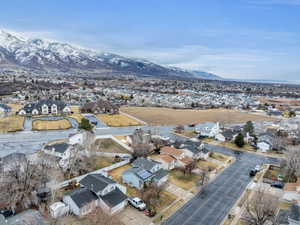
x=43 y=55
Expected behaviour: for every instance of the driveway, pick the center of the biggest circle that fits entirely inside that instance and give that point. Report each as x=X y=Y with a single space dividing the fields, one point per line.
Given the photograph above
x=131 y=216
x=94 y=120
x=212 y=205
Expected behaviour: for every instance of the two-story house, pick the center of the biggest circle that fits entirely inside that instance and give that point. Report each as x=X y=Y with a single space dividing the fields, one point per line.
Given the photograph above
x=45 y=107
x=182 y=160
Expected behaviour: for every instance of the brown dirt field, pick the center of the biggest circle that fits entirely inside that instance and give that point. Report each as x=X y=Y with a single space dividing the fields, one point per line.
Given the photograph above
x=51 y=125
x=11 y=124
x=166 y=116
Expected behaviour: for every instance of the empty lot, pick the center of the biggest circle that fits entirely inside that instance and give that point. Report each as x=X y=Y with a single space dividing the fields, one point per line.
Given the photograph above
x=166 y=116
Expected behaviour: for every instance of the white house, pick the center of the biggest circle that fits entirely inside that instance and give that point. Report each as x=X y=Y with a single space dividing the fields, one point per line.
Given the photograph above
x=207 y=129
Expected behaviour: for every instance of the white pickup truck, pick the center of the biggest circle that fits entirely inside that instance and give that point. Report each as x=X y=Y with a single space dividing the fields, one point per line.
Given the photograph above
x=137 y=203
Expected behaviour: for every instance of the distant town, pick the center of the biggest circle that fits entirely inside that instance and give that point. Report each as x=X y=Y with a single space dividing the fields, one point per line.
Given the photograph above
x=137 y=150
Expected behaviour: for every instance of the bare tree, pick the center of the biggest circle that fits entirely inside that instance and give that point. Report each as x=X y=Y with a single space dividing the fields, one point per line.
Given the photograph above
x=261 y=208
x=142 y=150
x=19 y=184
x=292 y=162
x=204 y=177
x=99 y=217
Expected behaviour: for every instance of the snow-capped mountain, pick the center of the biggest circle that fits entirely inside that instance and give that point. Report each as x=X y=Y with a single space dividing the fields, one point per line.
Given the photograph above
x=42 y=55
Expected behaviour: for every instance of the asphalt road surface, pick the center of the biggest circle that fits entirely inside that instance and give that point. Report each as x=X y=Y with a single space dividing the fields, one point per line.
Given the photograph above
x=210 y=206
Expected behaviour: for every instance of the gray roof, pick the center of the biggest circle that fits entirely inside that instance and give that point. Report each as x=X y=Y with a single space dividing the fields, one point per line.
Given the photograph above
x=114 y=197
x=96 y=182
x=141 y=173
x=205 y=126
x=82 y=196
x=228 y=134
x=31 y=106
x=61 y=147
x=28 y=217
x=193 y=146
x=146 y=164
x=5 y=107
x=295 y=212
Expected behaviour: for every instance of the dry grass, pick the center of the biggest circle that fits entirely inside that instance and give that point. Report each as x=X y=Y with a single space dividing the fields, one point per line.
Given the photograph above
x=51 y=125
x=11 y=124
x=231 y=145
x=109 y=145
x=118 y=120
x=207 y=164
x=77 y=117
x=15 y=107
x=166 y=116
x=219 y=157
x=75 y=109
x=166 y=214
x=102 y=162
x=186 y=182
x=116 y=174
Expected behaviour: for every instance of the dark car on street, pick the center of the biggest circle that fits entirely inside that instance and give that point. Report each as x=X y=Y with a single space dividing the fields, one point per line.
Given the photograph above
x=277 y=185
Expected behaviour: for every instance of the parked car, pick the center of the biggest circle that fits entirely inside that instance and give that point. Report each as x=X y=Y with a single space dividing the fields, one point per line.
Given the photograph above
x=252 y=173
x=6 y=212
x=137 y=203
x=277 y=185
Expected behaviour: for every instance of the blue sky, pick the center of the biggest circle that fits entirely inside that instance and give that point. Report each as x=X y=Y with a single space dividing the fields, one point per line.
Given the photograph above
x=247 y=39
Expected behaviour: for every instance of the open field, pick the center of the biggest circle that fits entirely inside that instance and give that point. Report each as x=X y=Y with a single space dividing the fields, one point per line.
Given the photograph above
x=51 y=125
x=118 y=120
x=15 y=108
x=11 y=124
x=166 y=116
x=109 y=145
x=75 y=109
x=77 y=117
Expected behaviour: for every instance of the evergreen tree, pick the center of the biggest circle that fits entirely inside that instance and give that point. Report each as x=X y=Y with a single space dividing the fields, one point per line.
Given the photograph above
x=239 y=140
x=85 y=124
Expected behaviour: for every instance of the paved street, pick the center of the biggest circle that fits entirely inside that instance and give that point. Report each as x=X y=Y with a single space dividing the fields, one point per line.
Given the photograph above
x=208 y=208
x=216 y=201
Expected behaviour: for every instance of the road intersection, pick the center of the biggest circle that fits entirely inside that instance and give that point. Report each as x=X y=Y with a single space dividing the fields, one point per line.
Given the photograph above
x=208 y=208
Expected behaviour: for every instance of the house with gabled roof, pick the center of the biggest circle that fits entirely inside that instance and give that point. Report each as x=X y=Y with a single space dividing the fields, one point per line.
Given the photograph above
x=45 y=107
x=95 y=191
x=195 y=150
x=144 y=171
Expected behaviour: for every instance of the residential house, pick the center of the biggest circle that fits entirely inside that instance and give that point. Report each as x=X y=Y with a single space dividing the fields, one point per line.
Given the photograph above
x=144 y=171
x=265 y=142
x=96 y=191
x=45 y=107
x=5 y=110
x=208 y=129
x=225 y=135
x=61 y=150
x=100 y=107
x=195 y=150
x=182 y=160
x=167 y=162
